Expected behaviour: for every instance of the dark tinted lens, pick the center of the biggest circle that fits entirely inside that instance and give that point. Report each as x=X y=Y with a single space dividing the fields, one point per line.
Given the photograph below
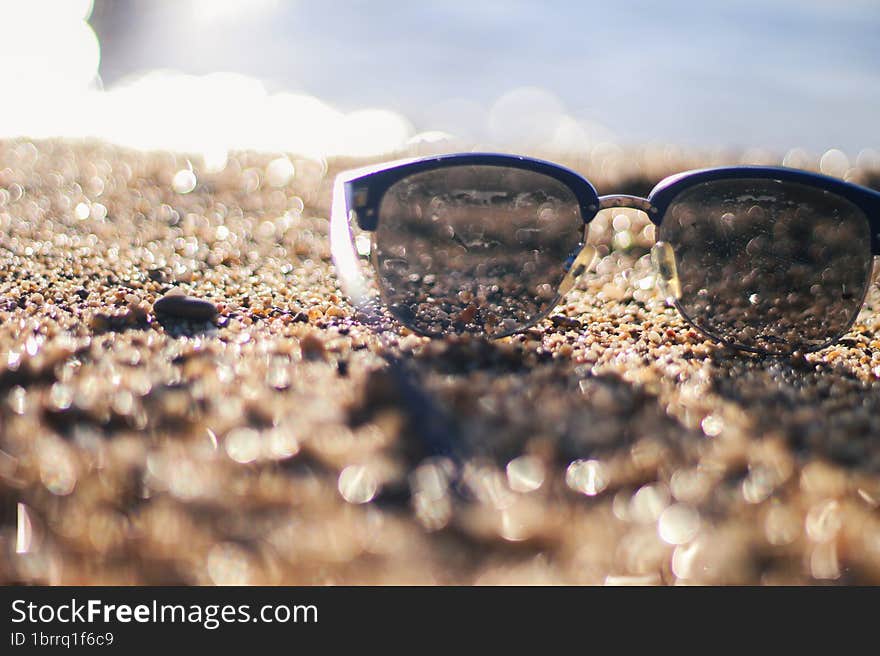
x=475 y=248
x=768 y=265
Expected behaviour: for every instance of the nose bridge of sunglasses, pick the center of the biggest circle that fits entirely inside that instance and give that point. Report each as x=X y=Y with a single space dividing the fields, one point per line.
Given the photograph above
x=663 y=259
x=624 y=200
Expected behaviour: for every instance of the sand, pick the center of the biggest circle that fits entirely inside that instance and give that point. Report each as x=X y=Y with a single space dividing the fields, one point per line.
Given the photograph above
x=289 y=441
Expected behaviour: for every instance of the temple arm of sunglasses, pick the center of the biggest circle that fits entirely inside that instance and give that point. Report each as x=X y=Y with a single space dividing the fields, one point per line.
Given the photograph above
x=345 y=258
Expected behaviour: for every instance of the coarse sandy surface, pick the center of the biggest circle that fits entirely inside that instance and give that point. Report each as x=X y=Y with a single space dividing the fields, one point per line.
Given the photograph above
x=288 y=442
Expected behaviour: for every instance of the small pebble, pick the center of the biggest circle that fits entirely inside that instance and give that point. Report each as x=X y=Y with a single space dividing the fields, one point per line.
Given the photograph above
x=561 y=321
x=182 y=306
x=312 y=347
x=334 y=311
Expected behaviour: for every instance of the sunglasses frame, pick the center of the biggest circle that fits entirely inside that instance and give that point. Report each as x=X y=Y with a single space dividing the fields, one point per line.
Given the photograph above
x=358 y=193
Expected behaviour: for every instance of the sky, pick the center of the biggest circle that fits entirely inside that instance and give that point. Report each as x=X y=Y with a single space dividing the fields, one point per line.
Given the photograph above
x=772 y=74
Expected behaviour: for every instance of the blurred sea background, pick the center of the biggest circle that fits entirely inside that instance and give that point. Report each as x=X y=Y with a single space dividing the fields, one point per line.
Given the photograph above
x=794 y=80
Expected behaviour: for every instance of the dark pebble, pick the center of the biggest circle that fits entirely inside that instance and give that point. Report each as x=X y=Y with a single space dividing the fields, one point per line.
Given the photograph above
x=157 y=275
x=561 y=321
x=185 y=307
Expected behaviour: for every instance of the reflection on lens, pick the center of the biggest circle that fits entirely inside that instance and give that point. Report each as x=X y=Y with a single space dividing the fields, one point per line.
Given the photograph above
x=475 y=248
x=768 y=265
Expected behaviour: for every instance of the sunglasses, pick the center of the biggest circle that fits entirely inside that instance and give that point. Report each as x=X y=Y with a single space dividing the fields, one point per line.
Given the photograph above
x=763 y=259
